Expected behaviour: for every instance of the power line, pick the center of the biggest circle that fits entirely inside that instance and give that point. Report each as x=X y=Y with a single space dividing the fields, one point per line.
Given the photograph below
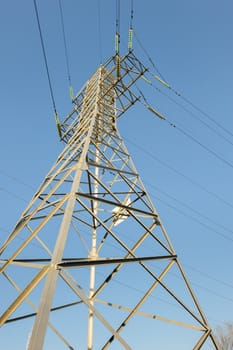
x=66 y=50
x=45 y=57
x=194 y=219
x=131 y=13
x=99 y=32
x=185 y=205
x=148 y=56
x=177 y=93
x=206 y=115
x=209 y=276
x=215 y=154
x=13 y=194
x=47 y=70
x=193 y=182
x=185 y=133
x=189 y=112
x=180 y=129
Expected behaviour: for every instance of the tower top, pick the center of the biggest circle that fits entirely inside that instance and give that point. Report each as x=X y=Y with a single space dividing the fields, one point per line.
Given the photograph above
x=116 y=79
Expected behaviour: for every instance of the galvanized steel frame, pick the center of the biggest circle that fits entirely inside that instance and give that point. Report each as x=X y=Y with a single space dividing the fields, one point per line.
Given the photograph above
x=95 y=184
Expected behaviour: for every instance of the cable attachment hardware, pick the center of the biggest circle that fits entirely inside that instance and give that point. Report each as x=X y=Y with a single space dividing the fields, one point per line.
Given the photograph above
x=118 y=66
x=151 y=109
x=117 y=40
x=130 y=42
x=58 y=124
x=71 y=93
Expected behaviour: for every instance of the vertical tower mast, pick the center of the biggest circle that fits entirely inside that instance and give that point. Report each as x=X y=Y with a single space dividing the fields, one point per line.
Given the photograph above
x=97 y=229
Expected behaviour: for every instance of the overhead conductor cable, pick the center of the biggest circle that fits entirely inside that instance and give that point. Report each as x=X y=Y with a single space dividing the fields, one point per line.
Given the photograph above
x=47 y=71
x=185 y=133
x=163 y=81
x=66 y=51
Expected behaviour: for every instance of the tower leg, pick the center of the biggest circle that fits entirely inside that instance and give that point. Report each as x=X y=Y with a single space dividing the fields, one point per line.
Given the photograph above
x=40 y=326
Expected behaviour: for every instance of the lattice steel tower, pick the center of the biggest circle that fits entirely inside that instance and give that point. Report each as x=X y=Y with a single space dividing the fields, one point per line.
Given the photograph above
x=89 y=264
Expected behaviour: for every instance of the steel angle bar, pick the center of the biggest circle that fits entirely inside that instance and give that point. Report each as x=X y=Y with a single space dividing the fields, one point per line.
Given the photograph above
x=111 y=169
x=81 y=220
x=32 y=235
x=49 y=204
x=111 y=160
x=117 y=154
x=132 y=59
x=144 y=266
x=117 y=203
x=114 y=149
x=43 y=245
x=168 y=290
x=202 y=340
x=107 y=261
x=107 y=229
x=121 y=91
x=26 y=218
x=135 y=185
x=124 y=161
x=24 y=263
x=153 y=316
x=125 y=108
x=158 y=222
x=23 y=295
x=54 y=172
x=140 y=302
x=63 y=171
x=120 y=205
x=84 y=297
x=136 y=218
x=119 y=266
x=34 y=313
x=191 y=291
x=118 y=193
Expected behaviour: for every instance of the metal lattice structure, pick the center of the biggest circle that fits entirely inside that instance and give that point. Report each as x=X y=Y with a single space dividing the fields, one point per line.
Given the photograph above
x=90 y=232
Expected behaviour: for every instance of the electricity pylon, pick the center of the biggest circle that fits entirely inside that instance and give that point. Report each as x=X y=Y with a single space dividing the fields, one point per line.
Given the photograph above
x=91 y=233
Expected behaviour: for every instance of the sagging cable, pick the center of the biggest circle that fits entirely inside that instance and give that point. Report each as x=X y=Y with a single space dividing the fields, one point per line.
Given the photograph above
x=66 y=51
x=47 y=69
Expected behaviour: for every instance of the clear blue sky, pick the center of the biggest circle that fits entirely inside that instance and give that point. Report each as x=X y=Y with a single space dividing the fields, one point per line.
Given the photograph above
x=191 y=43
